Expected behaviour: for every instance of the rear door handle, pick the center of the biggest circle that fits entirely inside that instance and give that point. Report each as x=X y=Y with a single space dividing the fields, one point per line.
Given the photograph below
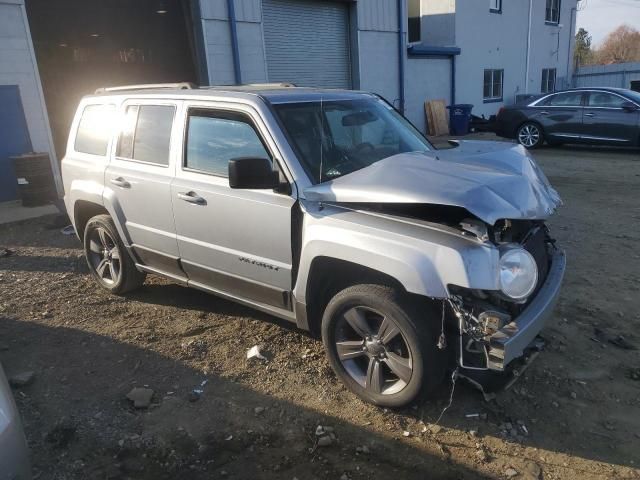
x=120 y=182
x=192 y=197
x=589 y=114
x=544 y=113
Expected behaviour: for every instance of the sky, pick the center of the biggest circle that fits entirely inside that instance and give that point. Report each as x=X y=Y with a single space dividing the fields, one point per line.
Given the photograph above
x=599 y=17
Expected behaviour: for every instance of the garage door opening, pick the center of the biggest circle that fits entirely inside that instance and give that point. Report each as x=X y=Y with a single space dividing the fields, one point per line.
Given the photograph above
x=307 y=43
x=82 y=45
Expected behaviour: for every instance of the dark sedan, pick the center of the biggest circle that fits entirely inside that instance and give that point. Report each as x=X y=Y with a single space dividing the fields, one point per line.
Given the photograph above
x=607 y=116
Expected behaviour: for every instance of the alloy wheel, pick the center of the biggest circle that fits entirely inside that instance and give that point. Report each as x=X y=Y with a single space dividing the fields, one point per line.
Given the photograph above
x=104 y=256
x=529 y=135
x=373 y=350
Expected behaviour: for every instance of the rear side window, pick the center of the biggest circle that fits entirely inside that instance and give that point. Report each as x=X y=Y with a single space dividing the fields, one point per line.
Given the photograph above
x=146 y=133
x=215 y=138
x=94 y=129
x=568 y=99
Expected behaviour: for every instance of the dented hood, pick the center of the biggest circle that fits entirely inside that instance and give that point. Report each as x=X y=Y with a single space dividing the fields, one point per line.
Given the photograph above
x=492 y=180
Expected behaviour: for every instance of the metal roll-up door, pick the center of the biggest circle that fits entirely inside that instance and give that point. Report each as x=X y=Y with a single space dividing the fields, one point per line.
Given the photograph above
x=307 y=42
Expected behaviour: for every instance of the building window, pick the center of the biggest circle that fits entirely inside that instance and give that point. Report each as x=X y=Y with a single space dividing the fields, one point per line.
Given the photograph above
x=552 y=13
x=548 y=80
x=493 y=80
x=413 y=12
x=495 y=6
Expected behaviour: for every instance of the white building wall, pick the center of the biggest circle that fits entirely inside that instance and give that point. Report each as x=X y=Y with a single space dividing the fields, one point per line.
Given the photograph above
x=552 y=45
x=18 y=67
x=492 y=40
x=427 y=79
x=378 y=48
x=217 y=38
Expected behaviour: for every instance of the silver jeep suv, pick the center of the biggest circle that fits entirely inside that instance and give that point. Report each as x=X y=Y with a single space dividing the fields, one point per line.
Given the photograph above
x=325 y=208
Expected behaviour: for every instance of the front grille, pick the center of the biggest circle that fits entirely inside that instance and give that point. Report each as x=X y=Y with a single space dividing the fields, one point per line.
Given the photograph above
x=536 y=245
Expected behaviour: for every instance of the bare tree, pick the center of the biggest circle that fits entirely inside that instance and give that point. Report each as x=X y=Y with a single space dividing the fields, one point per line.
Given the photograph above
x=622 y=45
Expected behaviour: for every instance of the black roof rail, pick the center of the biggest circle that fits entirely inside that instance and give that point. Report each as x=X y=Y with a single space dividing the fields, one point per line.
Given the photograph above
x=147 y=86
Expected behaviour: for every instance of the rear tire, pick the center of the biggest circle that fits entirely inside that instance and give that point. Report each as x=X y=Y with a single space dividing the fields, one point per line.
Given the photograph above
x=109 y=262
x=382 y=345
x=530 y=135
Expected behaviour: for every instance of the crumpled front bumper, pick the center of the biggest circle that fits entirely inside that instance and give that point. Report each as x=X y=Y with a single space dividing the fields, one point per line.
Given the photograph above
x=511 y=340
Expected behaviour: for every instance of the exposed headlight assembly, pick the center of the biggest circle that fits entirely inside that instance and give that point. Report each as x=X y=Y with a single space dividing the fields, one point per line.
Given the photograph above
x=518 y=272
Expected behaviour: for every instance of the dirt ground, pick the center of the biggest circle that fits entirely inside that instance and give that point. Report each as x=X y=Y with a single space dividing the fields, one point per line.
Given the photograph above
x=574 y=414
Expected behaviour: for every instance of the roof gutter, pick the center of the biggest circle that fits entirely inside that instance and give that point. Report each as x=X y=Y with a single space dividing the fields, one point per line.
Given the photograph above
x=234 y=42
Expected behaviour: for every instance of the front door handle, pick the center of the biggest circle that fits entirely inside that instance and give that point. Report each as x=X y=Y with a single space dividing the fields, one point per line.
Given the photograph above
x=120 y=182
x=589 y=114
x=192 y=197
x=544 y=113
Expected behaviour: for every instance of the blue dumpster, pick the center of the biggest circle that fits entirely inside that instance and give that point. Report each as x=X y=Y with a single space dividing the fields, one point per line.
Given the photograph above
x=459 y=118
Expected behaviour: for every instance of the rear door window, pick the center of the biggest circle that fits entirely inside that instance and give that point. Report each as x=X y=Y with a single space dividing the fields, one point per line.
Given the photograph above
x=146 y=133
x=94 y=129
x=567 y=99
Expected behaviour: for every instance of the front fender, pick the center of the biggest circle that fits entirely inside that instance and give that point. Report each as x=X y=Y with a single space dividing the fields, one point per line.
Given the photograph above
x=424 y=259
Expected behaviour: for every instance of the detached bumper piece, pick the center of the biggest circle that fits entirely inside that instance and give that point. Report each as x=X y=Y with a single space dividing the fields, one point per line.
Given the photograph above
x=513 y=339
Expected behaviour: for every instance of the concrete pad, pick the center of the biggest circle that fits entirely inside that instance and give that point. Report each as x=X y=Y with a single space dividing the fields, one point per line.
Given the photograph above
x=14 y=212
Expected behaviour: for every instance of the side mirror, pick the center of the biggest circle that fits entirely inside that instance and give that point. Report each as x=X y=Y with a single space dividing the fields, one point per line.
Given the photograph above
x=630 y=107
x=252 y=173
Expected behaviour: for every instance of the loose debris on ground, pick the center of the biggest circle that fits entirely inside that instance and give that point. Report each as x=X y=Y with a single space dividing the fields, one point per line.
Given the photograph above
x=158 y=384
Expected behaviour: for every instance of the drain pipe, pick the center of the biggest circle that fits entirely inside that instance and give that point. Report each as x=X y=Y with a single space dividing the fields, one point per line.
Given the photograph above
x=574 y=10
x=526 y=78
x=234 y=42
x=401 y=55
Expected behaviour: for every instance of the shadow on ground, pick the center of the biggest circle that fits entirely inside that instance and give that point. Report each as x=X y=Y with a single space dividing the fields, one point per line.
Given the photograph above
x=80 y=425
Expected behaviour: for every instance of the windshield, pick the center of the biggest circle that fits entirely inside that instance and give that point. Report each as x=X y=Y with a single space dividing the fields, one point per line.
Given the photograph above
x=334 y=138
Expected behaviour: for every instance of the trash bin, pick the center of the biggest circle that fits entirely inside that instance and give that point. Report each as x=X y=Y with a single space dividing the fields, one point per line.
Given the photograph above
x=459 y=118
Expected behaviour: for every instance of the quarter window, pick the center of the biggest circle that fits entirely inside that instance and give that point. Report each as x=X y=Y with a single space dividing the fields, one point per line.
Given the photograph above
x=552 y=12
x=215 y=138
x=605 y=100
x=146 y=133
x=94 y=129
x=493 y=80
x=548 y=80
x=495 y=6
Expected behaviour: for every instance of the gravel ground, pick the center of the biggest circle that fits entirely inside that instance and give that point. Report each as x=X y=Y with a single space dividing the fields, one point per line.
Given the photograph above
x=575 y=413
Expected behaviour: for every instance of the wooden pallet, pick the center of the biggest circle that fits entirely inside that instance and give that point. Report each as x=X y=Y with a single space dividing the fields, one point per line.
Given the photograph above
x=437 y=118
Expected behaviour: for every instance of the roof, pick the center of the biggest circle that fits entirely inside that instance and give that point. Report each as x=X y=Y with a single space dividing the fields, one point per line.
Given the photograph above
x=274 y=93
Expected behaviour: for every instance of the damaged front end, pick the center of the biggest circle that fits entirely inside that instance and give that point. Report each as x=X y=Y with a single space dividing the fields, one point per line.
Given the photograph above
x=494 y=329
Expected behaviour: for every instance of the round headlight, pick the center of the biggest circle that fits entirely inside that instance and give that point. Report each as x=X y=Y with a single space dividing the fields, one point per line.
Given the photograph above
x=518 y=273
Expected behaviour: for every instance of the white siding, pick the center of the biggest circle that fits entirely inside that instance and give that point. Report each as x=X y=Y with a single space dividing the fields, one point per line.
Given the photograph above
x=217 y=35
x=427 y=79
x=378 y=15
x=499 y=41
x=18 y=67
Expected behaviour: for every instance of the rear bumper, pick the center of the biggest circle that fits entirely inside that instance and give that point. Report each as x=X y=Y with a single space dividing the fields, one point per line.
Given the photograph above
x=511 y=341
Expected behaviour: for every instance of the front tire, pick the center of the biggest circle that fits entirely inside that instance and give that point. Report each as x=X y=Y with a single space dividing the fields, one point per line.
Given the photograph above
x=381 y=345
x=530 y=135
x=108 y=260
